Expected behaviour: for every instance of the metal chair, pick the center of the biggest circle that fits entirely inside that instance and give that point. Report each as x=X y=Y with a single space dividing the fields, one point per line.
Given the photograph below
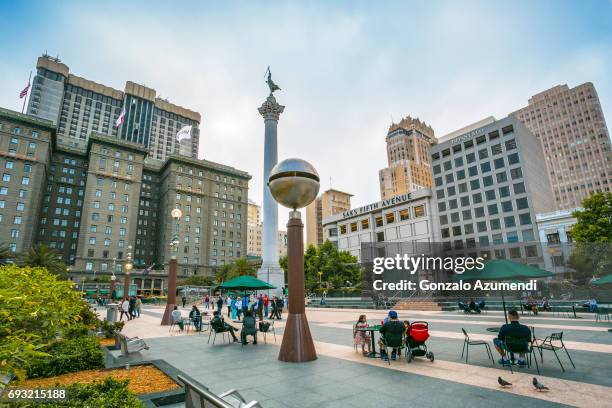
x=399 y=347
x=265 y=333
x=520 y=345
x=467 y=343
x=602 y=311
x=216 y=330
x=547 y=344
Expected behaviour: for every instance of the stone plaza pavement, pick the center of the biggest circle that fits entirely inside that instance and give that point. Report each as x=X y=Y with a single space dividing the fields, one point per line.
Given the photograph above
x=342 y=377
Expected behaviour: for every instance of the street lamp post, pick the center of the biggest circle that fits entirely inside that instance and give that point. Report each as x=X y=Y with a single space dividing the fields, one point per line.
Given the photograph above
x=128 y=268
x=294 y=183
x=172 y=269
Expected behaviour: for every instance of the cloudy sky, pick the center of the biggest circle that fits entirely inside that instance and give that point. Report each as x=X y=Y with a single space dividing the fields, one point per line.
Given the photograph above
x=346 y=69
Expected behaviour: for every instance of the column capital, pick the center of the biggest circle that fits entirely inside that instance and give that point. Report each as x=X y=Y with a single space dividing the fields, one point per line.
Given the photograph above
x=271 y=109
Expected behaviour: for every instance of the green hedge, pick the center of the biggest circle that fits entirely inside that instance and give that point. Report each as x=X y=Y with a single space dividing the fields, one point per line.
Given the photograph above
x=66 y=356
x=109 y=393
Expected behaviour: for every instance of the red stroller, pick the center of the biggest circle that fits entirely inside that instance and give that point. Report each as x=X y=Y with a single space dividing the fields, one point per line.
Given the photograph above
x=416 y=335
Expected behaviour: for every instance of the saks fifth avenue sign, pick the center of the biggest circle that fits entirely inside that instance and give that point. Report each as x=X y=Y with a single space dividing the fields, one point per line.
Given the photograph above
x=379 y=205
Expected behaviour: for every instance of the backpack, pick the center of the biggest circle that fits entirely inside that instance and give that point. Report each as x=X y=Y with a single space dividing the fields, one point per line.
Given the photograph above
x=264 y=327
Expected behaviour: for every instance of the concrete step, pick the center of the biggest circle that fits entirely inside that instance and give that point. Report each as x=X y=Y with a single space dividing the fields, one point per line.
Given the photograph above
x=422 y=305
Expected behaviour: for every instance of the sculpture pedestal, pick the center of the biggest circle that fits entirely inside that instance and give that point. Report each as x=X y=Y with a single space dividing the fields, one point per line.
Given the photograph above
x=297 y=346
x=274 y=275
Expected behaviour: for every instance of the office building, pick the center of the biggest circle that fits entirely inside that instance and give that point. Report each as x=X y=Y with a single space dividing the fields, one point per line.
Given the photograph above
x=328 y=203
x=254 y=230
x=95 y=207
x=571 y=128
x=80 y=107
x=409 y=169
x=410 y=217
x=489 y=184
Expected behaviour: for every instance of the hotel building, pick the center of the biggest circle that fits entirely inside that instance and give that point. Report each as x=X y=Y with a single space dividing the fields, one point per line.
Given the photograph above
x=95 y=207
x=80 y=107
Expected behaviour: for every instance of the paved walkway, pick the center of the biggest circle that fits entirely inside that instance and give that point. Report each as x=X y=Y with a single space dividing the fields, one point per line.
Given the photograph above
x=342 y=377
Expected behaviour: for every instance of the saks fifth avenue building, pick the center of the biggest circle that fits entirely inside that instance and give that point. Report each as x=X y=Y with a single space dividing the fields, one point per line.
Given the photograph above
x=404 y=218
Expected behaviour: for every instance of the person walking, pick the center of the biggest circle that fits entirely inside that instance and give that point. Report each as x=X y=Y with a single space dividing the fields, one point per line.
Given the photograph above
x=138 y=306
x=260 y=307
x=228 y=303
x=125 y=309
x=279 y=308
x=184 y=300
x=265 y=305
x=132 y=307
x=233 y=306
x=206 y=302
x=238 y=305
x=220 y=304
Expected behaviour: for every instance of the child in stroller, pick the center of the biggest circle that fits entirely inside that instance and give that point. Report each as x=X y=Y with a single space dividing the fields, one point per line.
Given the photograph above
x=416 y=335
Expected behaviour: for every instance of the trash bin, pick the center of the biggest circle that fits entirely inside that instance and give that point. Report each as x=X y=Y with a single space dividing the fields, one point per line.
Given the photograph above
x=111 y=312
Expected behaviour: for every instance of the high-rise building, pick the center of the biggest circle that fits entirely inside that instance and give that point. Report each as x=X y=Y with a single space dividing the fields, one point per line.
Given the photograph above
x=81 y=107
x=329 y=203
x=572 y=131
x=489 y=184
x=96 y=206
x=409 y=168
x=254 y=230
x=282 y=243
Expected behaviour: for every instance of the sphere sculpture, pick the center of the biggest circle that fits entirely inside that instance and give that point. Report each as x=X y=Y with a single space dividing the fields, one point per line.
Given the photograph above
x=294 y=183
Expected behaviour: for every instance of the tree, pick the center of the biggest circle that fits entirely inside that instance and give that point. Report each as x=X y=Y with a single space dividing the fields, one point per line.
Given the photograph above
x=36 y=307
x=335 y=267
x=44 y=257
x=5 y=254
x=239 y=267
x=592 y=232
x=595 y=220
x=197 y=280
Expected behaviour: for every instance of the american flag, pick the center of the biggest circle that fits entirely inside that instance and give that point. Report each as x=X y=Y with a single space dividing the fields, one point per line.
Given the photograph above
x=25 y=91
x=149 y=269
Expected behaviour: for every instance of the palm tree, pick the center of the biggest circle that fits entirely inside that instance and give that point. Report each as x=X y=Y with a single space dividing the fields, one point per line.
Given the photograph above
x=45 y=257
x=5 y=254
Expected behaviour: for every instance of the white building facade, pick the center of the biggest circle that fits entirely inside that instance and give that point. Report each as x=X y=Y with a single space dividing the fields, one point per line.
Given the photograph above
x=405 y=218
x=554 y=233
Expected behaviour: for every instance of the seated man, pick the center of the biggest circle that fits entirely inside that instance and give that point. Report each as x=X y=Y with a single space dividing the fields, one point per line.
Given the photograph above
x=177 y=318
x=196 y=317
x=473 y=306
x=248 y=328
x=392 y=333
x=219 y=326
x=463 y=306
x=515 y=330
x=481 y=304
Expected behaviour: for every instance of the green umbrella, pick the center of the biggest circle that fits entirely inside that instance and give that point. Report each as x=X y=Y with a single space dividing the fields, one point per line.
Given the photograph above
x=604 y=280
x=502 y=270
x=246 y=283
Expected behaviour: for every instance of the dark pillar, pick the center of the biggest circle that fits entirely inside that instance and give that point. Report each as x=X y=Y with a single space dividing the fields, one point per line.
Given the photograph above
x=297 y=346
x=172 y=267
x=126 y=286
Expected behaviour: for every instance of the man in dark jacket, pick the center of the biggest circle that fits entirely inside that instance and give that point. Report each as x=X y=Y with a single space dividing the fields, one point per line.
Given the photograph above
x=248 y=328
x=132 y=309
x=392 y=333
x=196 y=317
x=220 y=304
x=219 y=326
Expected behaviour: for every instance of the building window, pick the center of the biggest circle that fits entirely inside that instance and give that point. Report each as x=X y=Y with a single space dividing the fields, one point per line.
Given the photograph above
x=365 y=224
x=390 y=217
x=89 y=266
x=419 y=211
x=379 y=221
x=353 y=227
x=404 y=214
x=17 y=220
x=343 y=229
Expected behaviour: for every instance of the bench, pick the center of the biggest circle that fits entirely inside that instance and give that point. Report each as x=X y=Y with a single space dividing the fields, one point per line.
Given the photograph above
x=198 y=396
x=130 y=345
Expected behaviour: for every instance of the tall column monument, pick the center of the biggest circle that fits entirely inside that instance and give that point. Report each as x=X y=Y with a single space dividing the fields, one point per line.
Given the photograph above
x=270 y=270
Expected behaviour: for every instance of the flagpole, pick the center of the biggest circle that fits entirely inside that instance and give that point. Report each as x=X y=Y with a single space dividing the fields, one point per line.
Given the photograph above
x=26 y=97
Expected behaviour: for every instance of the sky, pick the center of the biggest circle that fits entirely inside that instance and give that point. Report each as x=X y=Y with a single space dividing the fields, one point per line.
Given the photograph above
x=347 y=69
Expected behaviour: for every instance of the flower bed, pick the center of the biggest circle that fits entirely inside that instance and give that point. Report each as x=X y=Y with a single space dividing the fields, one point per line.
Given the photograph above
x=107 y=342
x=144 y=379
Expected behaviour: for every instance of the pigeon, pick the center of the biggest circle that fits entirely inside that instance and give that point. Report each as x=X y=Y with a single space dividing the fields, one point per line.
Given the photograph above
x=503 y=382
x=538 y=385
